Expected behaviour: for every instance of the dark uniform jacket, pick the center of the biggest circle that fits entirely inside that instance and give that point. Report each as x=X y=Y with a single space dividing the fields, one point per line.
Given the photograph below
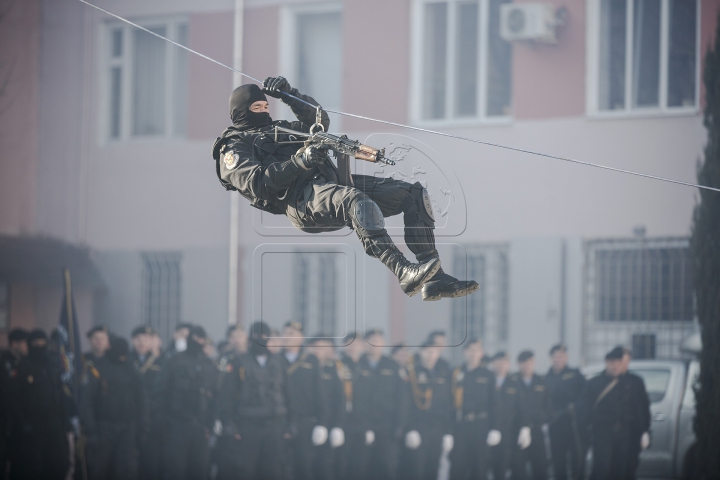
x=378 y=395
x=620 y=403
x=474 y=395
x=186 y=389
x=537 y=401
x=264 y=173
x=334 y=384
x=510 y=407
x=252 y=392
x=565 y=390
x=112 y=392
x=429 y=395
x=303 y=385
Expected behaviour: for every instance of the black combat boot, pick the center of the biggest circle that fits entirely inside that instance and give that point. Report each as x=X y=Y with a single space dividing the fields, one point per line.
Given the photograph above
x=442 y=284
x=411 y=276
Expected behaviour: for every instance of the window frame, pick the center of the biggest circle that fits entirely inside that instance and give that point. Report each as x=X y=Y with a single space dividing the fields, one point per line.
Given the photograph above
x=416 y=68
x=592 y=67
x=125 y=62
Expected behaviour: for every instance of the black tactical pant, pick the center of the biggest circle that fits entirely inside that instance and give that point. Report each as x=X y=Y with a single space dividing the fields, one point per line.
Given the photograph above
x=256 y=454
x=326 y=206
x=352 y=456
x=424 y=462
x=565 y=446
x=535 y=455
x=304 y=453
x=501 y=454
x=615 y=453
x=469 y=458
x=112 y=454
x=382 y=456
x=186 y=451
x=150 y=453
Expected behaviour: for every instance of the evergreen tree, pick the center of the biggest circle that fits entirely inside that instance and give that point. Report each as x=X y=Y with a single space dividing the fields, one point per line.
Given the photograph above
x=705 y=251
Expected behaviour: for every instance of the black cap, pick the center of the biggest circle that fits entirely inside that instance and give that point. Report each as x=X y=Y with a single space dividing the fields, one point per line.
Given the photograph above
x=373 y=331
x=180 y=326
x=351 y=337
x=428 y=343
x=560 y=347
x=294 y=325
x=472 y=341
x=198 y=331
x=396 y=348
x=500 y=355
x=18 y=335
x=141 y=330
x=321 y=337
x=524 y=356
x=37 y=334
x=98 y=328
x=617 y=353
x=118 y=347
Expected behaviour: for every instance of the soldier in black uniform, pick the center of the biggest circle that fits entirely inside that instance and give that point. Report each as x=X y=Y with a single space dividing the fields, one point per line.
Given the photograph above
x=307 y=409
x=186 y=402
x=381 y=390
x=113 y=414
x=429 y=425
x=475 y=420
x=99 y=337
x=10 y=358
x=616 y=410
x=304 y=185
x=17 y=349
x=537 y=414
x=253 y=410
x=565 y=385
x=39 y=447
x=510 y=413
x=148 y=363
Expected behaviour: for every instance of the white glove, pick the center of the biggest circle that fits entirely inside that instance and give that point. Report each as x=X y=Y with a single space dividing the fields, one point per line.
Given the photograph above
x=493 y=438
x=337 y=437
x=524 y=438
x=369 y=437
x=645 y=440
x=448 y=443
x=217 y=428
x=412 y=440
x=319 y=435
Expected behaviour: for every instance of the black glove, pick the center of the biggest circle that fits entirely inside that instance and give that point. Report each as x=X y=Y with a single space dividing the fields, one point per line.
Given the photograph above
x=275 y=86
x=308 y=157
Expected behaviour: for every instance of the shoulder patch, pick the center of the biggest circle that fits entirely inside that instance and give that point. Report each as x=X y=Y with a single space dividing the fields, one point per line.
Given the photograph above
x=231 y=160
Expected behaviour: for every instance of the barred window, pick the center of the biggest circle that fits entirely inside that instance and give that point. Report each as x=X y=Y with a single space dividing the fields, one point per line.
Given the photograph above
x=315 y=287
x=162 y=290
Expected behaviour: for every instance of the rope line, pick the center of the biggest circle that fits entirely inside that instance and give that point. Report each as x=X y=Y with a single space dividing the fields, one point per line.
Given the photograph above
x=410 y=127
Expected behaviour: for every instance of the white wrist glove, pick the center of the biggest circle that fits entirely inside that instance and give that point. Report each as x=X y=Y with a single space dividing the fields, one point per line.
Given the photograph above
x=337 y=437
x=217 y=428
x=645 y=440
x=493 y=438
x=448 y=443
x=524 y=438
x=412 y=440
x=369 y=437
x=319 y=435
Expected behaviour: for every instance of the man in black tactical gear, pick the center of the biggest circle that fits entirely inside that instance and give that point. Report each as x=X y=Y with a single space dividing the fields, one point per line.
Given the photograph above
x=253 y=409
x=565 y=385
x=39 y=407
x=475 y=421
x=537 y=413
x=10 y=359
x=616 y=412
x=113 y=414
x=305 y=186
x=186 y=403
x=99 y=337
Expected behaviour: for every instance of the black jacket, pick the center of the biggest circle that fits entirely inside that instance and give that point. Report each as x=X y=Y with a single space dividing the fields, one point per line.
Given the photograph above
x=537 y=401
x=333 y=389
x=510 y=406
x=303 y=385
x=378 y=395
x=428 y=395
x=565 y=389
x=474 y=395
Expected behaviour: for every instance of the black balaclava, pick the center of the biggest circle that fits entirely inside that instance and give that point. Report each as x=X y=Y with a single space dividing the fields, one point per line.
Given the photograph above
x=118 y=351
x=240 y=114
x=36 y=353
x=193 y=346
x=258 y=339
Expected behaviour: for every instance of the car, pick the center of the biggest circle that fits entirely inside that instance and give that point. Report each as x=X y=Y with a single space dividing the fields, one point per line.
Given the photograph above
x=671 y=389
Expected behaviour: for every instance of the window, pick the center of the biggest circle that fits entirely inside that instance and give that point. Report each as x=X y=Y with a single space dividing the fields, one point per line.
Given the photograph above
x=4 y=306
x=643 y=284
x=146 y=81
x=162 y=290
x=462 y=66
x=643 y=345
x=646 y=56
x=315 y=288
x=656 y=382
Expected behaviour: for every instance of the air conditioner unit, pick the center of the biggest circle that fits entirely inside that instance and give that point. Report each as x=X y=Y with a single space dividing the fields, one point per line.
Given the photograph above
x=528 y=21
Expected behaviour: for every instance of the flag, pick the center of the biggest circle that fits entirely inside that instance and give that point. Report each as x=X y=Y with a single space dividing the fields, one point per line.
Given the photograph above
x=69 y=340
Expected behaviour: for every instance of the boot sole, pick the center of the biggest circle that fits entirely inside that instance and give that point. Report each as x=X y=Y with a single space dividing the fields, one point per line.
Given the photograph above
x=458 y=293
x=427 y=277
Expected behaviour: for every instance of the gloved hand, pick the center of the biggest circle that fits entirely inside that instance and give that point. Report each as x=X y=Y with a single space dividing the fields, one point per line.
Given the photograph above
x=645 y=441
x=308 y=157
x=337 y=437
x=218 y=428
x=494 y=437
x=319 y=435
x=412 y=439
x=369 y=437
x=524 y=438
x=274 y=85
x=448 y=443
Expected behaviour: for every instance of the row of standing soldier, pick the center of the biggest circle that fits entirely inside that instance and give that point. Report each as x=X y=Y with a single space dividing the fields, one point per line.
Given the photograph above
x=298 y=412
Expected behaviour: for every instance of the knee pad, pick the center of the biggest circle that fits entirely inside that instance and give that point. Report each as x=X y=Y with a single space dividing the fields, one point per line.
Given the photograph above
x=418 y=206
x=368 y=217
